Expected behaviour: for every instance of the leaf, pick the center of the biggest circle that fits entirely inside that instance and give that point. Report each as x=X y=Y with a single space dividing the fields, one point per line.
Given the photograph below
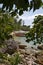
x=20 y=12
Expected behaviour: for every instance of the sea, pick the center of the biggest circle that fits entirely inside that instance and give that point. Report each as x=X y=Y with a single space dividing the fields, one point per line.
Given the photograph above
x=22 y=41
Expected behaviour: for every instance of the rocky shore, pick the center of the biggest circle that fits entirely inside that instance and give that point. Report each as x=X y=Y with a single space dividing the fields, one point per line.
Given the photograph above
x=29 y=56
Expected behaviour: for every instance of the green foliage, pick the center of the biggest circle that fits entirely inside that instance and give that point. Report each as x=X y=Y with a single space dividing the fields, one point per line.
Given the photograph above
x=17 y=23
x=13 y=60
x=20 y=12
x=6 y=26
x=21 y=5
x=25 y=28
x=2 y=55
x=35 y=4
x=36 y=33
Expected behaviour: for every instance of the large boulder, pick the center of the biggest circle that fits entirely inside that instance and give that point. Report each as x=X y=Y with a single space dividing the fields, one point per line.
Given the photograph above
x=22 y=46
x=40 y=47
x=39 y=57
x=11 y=47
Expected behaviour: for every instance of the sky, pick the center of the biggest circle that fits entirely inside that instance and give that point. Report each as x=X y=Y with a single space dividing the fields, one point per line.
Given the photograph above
x=29 y=16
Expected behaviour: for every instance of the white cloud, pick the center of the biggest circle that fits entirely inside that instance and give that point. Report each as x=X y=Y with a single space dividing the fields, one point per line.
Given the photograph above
x=29 y=17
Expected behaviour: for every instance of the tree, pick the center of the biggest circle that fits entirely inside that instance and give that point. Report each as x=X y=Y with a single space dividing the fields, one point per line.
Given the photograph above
x=35 y=4
x=17 y=25
x=36 y=33
x=6 y=26
x=25 y=28
x=19 y=8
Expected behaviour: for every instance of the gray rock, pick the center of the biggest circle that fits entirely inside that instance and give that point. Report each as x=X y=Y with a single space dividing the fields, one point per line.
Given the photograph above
x=11 y=47
x=40 y=47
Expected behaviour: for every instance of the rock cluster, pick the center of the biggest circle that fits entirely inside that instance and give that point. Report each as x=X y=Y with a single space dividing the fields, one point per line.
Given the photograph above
x=29 y=56
x=11 y=46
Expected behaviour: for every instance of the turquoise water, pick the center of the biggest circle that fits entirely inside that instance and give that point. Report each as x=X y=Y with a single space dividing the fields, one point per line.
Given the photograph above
x=22 y=40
